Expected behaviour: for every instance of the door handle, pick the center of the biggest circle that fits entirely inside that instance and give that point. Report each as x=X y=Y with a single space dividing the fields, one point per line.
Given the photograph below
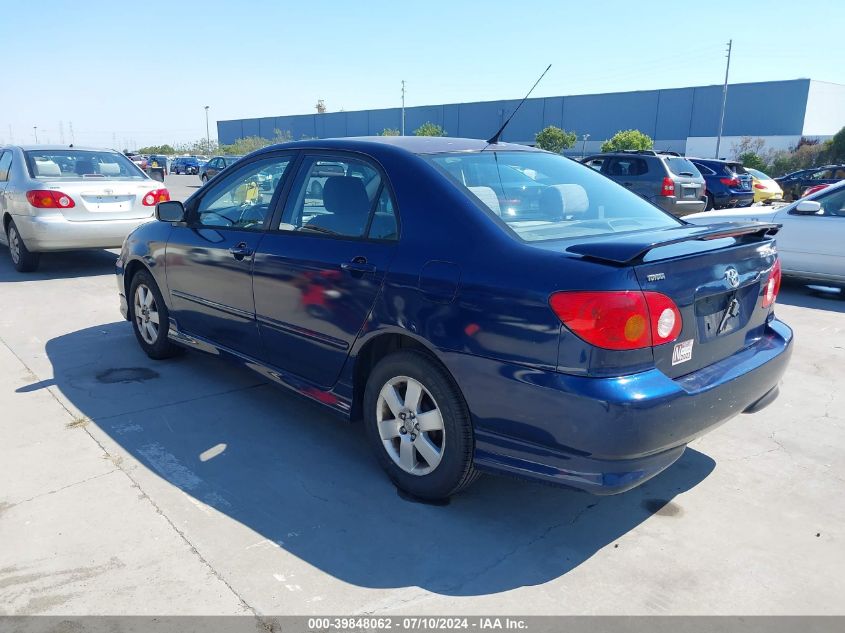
x=358 y=265
x=628 y=184
x=240 y=251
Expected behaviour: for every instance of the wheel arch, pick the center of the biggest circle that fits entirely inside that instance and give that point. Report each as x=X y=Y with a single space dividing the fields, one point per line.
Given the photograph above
x=132 y=269
x=377 y=347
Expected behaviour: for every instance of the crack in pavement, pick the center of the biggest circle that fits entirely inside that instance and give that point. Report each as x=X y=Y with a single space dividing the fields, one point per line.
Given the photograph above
x=52 y=492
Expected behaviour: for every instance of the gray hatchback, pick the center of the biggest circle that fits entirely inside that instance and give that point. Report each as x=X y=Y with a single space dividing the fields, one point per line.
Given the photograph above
x=666 y=179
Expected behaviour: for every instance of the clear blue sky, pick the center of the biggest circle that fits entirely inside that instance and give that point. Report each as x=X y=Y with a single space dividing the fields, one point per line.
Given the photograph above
x=143 y=70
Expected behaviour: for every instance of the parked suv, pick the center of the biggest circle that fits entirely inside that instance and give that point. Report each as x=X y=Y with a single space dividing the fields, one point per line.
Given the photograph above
x=728 y=183
x=666 y=179
x=794 y=185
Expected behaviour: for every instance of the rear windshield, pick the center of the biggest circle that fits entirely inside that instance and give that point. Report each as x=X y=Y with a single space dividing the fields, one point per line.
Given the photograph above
x=680 y=166
x=759 y=175
x=74 y=164
x=541 y=196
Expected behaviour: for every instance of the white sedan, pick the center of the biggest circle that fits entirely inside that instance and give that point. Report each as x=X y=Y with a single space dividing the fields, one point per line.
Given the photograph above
x=812 y=241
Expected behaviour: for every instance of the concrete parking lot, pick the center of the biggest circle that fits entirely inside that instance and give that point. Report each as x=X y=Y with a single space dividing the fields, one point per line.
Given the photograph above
x=190 y=486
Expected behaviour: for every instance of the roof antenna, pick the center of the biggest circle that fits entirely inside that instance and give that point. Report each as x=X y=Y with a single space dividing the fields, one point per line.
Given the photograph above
x=495 y=138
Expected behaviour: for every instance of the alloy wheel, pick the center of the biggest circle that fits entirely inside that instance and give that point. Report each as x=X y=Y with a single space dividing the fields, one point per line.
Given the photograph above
x=410 y=425
x=14 y=245
x=146 y=314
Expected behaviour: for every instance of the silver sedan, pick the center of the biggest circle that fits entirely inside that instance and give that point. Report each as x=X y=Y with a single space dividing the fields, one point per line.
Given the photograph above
x=59 y=198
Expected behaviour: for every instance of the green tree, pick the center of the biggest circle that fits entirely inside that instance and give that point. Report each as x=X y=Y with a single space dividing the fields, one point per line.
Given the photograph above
x=389 y=131
x=753 y=160
x=429 y=129
x=554 y=139
x=628 y=139
x=157 y=149
x=251 y=143
x=835 y=147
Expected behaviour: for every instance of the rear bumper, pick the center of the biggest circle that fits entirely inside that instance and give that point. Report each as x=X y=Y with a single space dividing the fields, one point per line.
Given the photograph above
x=55 y=233
x=680 y=207
x=734 y=199
x=607 y=435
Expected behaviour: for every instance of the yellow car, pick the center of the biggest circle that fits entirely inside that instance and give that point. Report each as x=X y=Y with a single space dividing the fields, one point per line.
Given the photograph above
x=766 y=190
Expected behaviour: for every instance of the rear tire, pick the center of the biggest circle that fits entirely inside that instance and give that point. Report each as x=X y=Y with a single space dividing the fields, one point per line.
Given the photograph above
x=418 y=426
x=150 y=317
x=24 y=260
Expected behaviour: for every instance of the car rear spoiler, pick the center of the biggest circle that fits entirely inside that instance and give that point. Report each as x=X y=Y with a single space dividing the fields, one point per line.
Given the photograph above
x=631 y=247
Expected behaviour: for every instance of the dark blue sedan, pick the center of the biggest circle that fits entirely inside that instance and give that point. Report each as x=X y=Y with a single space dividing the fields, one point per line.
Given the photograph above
x=566 y=331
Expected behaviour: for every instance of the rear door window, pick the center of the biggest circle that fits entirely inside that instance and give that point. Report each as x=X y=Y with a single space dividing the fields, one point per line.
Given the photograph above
x=626 y=166
x=5 y=165
x=337 y=197
x=595 y=163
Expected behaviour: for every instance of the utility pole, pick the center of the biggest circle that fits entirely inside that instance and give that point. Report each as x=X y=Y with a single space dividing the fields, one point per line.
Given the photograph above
x=70 y=125
x=403 y=107
x=724 y=99
x=61 y=133
x=584 y=145
x=207 y=135
x=35 y=131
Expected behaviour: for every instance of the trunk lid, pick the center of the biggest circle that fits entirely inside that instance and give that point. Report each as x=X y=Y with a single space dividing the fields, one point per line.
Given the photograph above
x=100 y=199
x=715 y=275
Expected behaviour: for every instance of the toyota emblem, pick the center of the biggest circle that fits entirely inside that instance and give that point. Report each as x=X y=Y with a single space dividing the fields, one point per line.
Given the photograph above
x=732 y=276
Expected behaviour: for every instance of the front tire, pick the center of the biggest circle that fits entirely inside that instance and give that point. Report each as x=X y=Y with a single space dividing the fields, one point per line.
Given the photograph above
x=418 y=426
x=150 y=317
x=24 y=260
x=204 y=179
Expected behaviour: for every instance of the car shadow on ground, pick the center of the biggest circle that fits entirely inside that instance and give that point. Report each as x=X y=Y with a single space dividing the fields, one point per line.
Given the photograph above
x=305 y=480
x=63 y=265
x=802 y=295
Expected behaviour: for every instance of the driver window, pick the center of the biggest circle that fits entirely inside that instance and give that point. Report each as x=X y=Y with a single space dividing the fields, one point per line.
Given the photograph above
x=242 y=201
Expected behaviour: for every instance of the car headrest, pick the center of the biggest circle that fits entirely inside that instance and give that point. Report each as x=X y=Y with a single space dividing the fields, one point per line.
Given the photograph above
x=564 y=200
x=345 y=198
x=488 y=197
x=47 y=168
x=109 y=169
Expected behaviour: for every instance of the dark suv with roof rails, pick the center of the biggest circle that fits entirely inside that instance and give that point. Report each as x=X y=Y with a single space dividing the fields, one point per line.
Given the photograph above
x=728 y=184
x=666 y=179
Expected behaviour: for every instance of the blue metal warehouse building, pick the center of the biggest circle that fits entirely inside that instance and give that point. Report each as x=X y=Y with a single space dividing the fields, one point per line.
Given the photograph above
x=680 y=119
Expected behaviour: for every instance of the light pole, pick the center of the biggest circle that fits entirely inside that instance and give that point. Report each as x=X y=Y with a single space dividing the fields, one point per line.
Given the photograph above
x=584 y=145
x=207 y=135
x=724 y=99
x=35 y=131
x=403 y=107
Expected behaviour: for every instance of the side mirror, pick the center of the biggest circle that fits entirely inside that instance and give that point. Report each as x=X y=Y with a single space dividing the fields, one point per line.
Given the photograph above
x=805 y=207
x=170 y=211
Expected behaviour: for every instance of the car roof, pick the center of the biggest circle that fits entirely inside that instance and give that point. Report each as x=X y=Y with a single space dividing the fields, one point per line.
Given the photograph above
x=51 y=148
x=411 y=144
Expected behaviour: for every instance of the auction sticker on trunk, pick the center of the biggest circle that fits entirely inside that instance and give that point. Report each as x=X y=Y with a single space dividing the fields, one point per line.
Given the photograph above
x=682 y=352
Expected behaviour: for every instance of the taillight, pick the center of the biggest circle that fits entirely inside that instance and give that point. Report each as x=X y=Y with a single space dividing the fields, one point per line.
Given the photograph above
x=152 y=198
x=619 y=320
x=49 y=199
x=733 y=183
x=770 y=292
x=757 y=185
x=668 y=187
